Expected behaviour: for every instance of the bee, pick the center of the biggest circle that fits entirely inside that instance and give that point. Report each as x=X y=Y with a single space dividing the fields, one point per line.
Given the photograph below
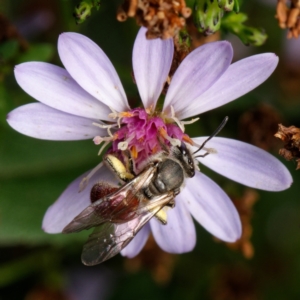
x=119 y=213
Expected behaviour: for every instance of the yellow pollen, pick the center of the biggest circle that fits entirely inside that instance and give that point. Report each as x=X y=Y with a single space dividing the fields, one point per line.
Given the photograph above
x=126 y=114
x=162 y=132
x=134 y=153
x=154 y=150
x=149 y=110
x=187 y=139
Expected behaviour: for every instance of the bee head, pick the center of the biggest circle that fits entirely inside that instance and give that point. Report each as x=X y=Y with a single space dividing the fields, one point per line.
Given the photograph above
x=183 y=154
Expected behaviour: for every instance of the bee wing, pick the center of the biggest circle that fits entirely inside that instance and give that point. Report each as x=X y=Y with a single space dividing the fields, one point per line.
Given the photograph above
x=109 y=239
x=120 y=206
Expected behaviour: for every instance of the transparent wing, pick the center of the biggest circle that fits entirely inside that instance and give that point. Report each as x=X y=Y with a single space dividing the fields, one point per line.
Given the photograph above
x=119 y=207
x=109 y=239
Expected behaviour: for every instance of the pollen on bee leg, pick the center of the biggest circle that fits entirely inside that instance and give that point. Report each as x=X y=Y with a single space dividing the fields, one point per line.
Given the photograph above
x=162 y=217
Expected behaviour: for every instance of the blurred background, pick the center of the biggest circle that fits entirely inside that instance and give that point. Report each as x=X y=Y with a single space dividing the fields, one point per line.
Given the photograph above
x=264 y=264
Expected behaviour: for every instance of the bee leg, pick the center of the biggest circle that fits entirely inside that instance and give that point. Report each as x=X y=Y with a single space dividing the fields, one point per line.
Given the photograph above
x=162 y=145
x=176 y=191
x=118 y=168
x=161 y=216
x=171 y=203
x=129 y=162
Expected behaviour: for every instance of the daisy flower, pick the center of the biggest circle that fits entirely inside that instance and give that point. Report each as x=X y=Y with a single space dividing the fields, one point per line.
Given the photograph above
x=86 y=100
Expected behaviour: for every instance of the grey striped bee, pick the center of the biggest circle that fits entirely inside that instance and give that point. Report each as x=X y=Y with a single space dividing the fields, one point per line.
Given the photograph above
x=118 y=213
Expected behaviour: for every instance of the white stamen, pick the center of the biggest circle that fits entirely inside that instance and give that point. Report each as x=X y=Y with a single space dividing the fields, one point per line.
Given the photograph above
x=84 y=182
x=190 y=121
x=124 y=145
x=181 y=123
x=99 y=139
x=173 y=142
x=106 y=126
x=176 y=120
x=115 y=115
x=102 y=147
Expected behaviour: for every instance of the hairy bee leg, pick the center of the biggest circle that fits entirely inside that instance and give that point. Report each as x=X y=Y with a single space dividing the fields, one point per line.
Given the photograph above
x=129 y=162
x=171 y=203
x=161 y=216
x=162 y=145
x=118 y=168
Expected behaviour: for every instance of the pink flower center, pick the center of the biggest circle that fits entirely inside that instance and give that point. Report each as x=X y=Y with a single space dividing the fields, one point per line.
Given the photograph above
x=142 y=134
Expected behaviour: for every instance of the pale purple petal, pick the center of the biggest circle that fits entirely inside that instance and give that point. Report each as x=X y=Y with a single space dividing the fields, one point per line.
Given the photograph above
x=211 y=207
x=197 y=73
x=92 y=70
x=179 y=235
x=43 y=122
x=72 y=202
x=55 y=87
x=246 y=164
x=152 y=61
x=240 y=78
x=137 y=244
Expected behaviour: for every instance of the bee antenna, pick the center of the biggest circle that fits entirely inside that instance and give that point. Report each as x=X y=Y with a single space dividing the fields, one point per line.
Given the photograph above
x=220 y=127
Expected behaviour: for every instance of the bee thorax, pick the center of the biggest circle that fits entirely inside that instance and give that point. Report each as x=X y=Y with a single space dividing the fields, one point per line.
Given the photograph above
x=169 y=177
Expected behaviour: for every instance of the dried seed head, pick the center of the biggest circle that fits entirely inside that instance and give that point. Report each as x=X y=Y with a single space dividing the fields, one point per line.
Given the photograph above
x=291 y=137
x=163 y=18
x=288 y=16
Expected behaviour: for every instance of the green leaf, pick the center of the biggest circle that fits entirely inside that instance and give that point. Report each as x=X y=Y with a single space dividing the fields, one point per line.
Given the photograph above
x=37 y=52
x=17 y=269
x=8 y=49
x=249 y=35
x=33 y=174
x=3 y=103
